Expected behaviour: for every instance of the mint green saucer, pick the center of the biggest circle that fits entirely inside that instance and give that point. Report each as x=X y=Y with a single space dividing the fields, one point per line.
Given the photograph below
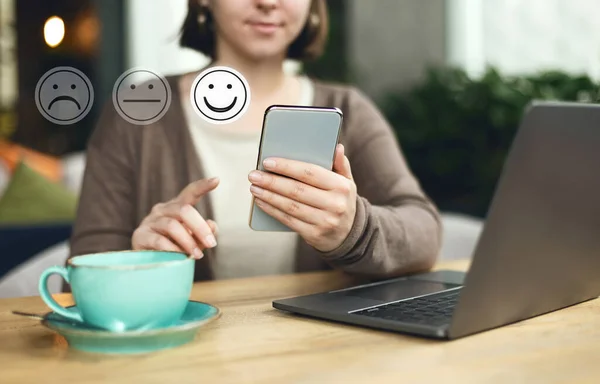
x=85 y=338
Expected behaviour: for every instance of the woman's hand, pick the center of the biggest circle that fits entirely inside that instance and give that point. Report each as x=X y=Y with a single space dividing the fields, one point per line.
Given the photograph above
x=317 y=203
x=177 y=226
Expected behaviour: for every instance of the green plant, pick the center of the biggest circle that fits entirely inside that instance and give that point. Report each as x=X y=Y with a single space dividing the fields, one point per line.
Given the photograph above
x=455 y=130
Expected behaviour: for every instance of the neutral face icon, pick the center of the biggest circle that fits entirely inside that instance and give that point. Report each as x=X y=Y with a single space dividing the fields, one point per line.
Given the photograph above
x=64 y=95
x=141 y=96
x=220 y=95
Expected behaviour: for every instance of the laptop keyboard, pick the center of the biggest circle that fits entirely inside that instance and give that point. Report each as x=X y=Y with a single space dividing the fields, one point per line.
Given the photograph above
x=435 y=310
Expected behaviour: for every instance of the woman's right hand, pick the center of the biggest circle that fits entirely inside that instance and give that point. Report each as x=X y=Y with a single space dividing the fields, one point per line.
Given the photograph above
x=176 y=225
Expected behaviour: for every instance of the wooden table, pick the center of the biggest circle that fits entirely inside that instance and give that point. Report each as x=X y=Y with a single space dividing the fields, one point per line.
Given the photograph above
x=252 y=342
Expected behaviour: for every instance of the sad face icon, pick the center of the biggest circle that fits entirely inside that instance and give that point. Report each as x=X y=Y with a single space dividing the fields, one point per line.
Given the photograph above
x=64 y=95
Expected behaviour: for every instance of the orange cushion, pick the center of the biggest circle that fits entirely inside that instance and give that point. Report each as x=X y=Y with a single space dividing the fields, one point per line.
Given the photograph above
x=46 y=165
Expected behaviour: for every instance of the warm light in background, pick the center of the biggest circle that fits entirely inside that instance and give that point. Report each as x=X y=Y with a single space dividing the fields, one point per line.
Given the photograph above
x=85 y=32
x=54 y=31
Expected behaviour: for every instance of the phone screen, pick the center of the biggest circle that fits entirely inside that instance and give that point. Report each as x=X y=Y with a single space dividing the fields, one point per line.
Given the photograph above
x=298 y=133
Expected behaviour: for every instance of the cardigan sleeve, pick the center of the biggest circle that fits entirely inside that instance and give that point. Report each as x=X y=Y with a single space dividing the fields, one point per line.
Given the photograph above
x=397 y=228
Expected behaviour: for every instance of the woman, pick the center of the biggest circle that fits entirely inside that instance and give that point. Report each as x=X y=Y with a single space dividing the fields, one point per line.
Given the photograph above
x=182 y=184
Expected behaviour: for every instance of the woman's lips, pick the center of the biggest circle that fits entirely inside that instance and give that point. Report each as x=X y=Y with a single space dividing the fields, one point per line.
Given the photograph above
x=264 y=28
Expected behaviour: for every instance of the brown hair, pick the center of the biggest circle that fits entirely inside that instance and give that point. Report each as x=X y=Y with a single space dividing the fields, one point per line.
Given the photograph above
x=197 y=32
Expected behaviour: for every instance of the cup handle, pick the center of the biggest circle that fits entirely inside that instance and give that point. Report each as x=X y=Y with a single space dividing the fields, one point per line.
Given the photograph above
x=47 y=297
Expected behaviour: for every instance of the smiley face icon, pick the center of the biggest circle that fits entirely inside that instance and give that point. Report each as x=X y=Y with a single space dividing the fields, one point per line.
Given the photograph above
x=220 y=95
x=141 y=96
x=64 y=95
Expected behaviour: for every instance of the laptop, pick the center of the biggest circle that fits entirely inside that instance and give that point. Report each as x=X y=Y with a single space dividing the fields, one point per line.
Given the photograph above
x=539 y=250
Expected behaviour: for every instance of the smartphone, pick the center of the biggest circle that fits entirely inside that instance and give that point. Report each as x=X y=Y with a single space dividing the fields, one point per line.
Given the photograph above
x=303 y=133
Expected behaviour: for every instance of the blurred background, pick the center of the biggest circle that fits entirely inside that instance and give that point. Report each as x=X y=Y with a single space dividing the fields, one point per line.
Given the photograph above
x=452 y=76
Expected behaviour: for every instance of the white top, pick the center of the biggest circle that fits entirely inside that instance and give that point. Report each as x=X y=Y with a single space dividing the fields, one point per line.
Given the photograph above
x=231 y=156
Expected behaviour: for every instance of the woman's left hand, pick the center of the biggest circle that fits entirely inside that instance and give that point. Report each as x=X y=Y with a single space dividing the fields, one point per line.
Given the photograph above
x=315 y=202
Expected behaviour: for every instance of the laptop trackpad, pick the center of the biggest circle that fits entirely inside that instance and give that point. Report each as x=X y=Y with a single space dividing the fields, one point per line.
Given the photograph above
x=398 y=290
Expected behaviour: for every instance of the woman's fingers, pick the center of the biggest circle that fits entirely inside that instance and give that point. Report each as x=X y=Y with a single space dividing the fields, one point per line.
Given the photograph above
x=213 y=226
x=301 y=211
x=148 y=239
x=293 y=189
x=302 y=228
x=311 y=174
x=192 y=219
x=192 y=193
x=199 y=227
x=177 y=232
x=177 y=226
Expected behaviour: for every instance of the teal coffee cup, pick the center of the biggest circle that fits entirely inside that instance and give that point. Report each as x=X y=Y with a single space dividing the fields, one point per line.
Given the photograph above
x=124 y=290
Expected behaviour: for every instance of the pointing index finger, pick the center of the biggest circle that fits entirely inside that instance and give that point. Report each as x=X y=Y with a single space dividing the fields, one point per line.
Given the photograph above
x=196 y=190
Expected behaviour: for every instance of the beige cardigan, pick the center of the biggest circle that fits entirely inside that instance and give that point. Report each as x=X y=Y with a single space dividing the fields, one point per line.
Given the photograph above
x=131 y=168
